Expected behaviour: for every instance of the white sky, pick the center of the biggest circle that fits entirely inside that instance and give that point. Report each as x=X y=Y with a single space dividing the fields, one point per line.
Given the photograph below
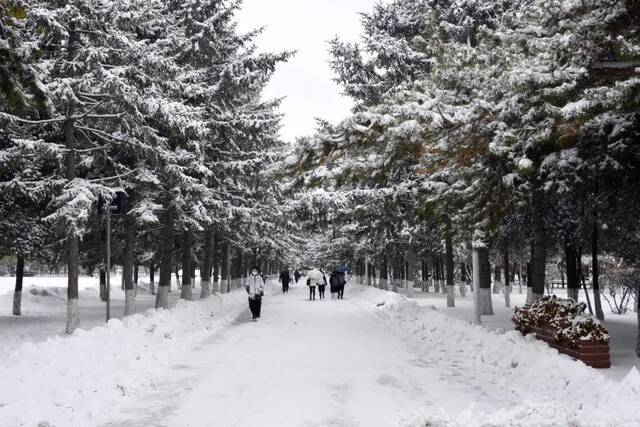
x=306 y=80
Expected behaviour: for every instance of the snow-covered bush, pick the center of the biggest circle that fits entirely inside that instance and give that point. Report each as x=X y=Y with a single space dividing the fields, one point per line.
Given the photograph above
x=620 y=286
x=565 y=318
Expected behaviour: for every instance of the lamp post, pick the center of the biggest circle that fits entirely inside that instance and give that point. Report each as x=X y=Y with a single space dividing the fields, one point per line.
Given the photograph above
x=117 y=207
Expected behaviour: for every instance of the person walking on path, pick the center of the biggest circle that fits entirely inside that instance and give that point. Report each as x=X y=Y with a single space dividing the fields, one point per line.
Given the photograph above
x=296 y=275
x=342 y=281
x=334 y=284
x=285 y=278
x=255 y=290
x=312 y=289
x=315 y=277
x=322 y=285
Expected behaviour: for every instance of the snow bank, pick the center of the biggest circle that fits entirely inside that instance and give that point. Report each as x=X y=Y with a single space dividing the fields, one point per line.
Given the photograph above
x=79 y=380
x=537 y=386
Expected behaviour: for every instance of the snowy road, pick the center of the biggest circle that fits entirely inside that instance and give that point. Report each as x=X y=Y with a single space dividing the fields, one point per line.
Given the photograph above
x=306 y=363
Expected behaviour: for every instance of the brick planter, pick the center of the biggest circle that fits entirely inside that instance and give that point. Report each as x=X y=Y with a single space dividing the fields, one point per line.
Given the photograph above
x=591 y=354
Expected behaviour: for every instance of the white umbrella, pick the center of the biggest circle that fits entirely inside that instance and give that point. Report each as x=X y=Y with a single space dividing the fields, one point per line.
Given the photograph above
x=316 y=276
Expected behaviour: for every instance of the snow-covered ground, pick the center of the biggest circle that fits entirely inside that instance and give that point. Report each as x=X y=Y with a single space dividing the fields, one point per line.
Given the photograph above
x=82 y=379
x=622 y=328
x=373 y=359
x=44 y=300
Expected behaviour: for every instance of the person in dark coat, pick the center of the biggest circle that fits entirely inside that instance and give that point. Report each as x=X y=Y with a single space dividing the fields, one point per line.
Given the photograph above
x=296 y=275
x=285 y=279
x=334 y=284
x=342 y=281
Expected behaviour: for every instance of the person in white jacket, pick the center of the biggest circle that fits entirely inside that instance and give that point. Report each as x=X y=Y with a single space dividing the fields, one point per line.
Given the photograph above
x=255 y=289
x=315 y=277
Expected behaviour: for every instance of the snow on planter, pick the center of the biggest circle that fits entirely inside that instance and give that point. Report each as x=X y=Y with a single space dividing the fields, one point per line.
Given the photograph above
x=565 y=326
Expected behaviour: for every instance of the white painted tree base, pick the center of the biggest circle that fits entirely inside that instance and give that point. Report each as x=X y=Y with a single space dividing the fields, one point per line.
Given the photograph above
x=73 y=315
x=163 y=297
x=463 y=290
x=186 y=293
x=451 y=299
x=573 y=293
x=529 y=296
x=129 y=302
x=17 y=303
x=409 y=287
x=497 y=287
x=507 y=296
x=486 y=304
x=205 y=289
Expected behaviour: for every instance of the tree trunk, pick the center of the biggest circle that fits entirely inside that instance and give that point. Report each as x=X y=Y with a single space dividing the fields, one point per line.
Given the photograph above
x=397 y=273
x=384 y=271
x=595 y=272
x=135 y=277
x=507 y=283
x=103 y=284
x=186 y=291
x=497 y=278
x=73 y=309
x=436 y=274
x=166 y=260
x=464 y=278
x=581 y=279
x=176 y=270
x=571 y=271
x=127 y=268
x=476 y=260
x=192 y=272
x=484 y=291
x=152 y=285
x=443 y=280
x=205 y=269
x=539 y=256
x=224 y=269
x=17 y=292
x=367 y=280
x=215 y=260
x=408 y=268
x=448 y=243
x=638 y=316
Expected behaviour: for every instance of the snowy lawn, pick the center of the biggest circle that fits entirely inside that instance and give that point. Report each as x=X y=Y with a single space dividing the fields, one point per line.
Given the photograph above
x=622 y=328
x=81 y=379
x=44 y=307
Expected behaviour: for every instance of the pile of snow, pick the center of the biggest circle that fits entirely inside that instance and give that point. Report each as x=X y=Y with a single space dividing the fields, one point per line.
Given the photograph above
x=79 y=380
x=535 y=384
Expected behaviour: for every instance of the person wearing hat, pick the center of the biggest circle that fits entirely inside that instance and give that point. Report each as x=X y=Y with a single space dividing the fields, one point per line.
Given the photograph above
x=255 y=290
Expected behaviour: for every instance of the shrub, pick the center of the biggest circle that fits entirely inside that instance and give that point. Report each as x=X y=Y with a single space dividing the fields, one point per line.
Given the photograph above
x=565 y=318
